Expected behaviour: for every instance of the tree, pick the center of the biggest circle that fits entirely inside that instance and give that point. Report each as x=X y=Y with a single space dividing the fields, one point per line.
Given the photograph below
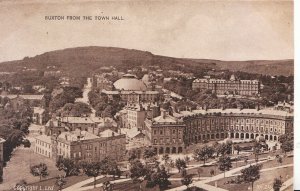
x=92 y=170
x=138 y=171
x=149 y=152
x=203 y=154
x=187 y=180
x=256 y=150
x=237 y=148
x=279 y=160
x=166 y=158
x=68 y=166
x=224 y=163
x=199 y=172
x=180 y=163
x=60 y=182
x=187 y=159
x=250 y=174
x=223 y=149
x=212 y=172
x=26 y=143
x=160 y=178
x=287 y=146
x=76 y=109
x=40 y=170
x=277 y=184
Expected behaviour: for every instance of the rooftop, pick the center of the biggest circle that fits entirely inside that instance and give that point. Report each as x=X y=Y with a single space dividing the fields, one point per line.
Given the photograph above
x=266 y=111
x=108 y=133
x=44 y=138
x=77 y=135
x=29 y=97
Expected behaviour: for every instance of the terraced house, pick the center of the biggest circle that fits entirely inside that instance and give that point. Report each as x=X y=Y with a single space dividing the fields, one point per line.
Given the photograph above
x=188 y=127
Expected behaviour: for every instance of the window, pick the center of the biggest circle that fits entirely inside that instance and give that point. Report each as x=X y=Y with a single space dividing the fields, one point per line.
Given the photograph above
x=154 y=132
x=161 y=132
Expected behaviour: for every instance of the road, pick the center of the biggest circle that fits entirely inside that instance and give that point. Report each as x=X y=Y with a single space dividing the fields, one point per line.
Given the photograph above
x=85 y=98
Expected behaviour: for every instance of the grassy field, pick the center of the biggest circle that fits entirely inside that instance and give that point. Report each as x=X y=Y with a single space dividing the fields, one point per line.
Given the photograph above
x=18 y=168
x=263 y=184
x=69 y=181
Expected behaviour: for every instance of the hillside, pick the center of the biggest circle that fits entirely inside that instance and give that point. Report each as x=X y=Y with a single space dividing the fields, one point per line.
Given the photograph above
x=82 y=61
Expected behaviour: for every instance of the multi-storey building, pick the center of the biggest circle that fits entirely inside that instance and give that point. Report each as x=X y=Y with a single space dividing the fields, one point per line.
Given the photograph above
x=18 y=100
x=101 y=82
x=217 y=124
x=43 y=145
x=132 y=96
x=232 y=86
x=165 y=133
x=214 y=124
x=134 y=115
x=85 y=146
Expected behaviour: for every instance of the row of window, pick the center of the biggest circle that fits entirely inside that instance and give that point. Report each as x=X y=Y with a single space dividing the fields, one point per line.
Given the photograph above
x=166 y=132
x=237 y=120
x=43 y=143
x=247 y=128
x=166 y=141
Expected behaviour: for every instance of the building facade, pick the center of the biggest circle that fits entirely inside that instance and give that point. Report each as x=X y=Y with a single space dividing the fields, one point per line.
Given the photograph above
x=165 y=133
x=225 y=87
x=85 y=146
x=132 y=96
x=217 y=124
x=43 y=146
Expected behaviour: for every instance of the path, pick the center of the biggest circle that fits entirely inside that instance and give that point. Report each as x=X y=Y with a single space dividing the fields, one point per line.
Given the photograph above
x=79 y=186
x=85 y=98
x=203 y=183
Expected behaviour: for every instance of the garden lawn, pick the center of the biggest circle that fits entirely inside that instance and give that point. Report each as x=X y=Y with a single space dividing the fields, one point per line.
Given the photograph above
x=263 y=184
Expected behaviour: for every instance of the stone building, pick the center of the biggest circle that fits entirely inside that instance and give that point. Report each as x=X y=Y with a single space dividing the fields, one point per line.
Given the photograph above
x=197 y=126
x=165 y=133
x=225 y=87
x=217 y=124
x=85 y=146
x=43 y=146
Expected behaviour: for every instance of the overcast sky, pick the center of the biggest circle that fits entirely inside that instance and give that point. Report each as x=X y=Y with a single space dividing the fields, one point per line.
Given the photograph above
x=223 y=30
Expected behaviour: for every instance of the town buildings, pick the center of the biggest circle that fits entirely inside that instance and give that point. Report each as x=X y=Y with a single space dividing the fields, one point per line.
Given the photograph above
x=134 y=115
x=132 y=90
x=43 y=145
x=33 y=100
x=165 y=133
x=39 y=116
x=216 y=124
x=84 y=146
x=225 y=87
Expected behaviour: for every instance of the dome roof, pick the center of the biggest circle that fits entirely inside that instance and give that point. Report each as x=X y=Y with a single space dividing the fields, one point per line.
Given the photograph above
x=130 y=82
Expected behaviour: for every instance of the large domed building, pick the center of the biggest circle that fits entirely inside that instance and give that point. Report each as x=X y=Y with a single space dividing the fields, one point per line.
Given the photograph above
x=130 y=82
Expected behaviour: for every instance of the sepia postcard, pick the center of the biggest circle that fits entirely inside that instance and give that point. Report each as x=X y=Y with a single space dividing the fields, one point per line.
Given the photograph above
x=136 y=95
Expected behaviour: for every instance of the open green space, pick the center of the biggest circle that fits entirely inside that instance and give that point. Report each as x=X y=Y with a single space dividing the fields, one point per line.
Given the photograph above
x=263 y=184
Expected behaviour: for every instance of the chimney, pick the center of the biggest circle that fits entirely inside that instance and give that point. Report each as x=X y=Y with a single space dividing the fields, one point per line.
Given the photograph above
x=163 y=114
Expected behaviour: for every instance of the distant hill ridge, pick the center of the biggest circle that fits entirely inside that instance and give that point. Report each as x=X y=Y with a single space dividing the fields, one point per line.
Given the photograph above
x=84 y=60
